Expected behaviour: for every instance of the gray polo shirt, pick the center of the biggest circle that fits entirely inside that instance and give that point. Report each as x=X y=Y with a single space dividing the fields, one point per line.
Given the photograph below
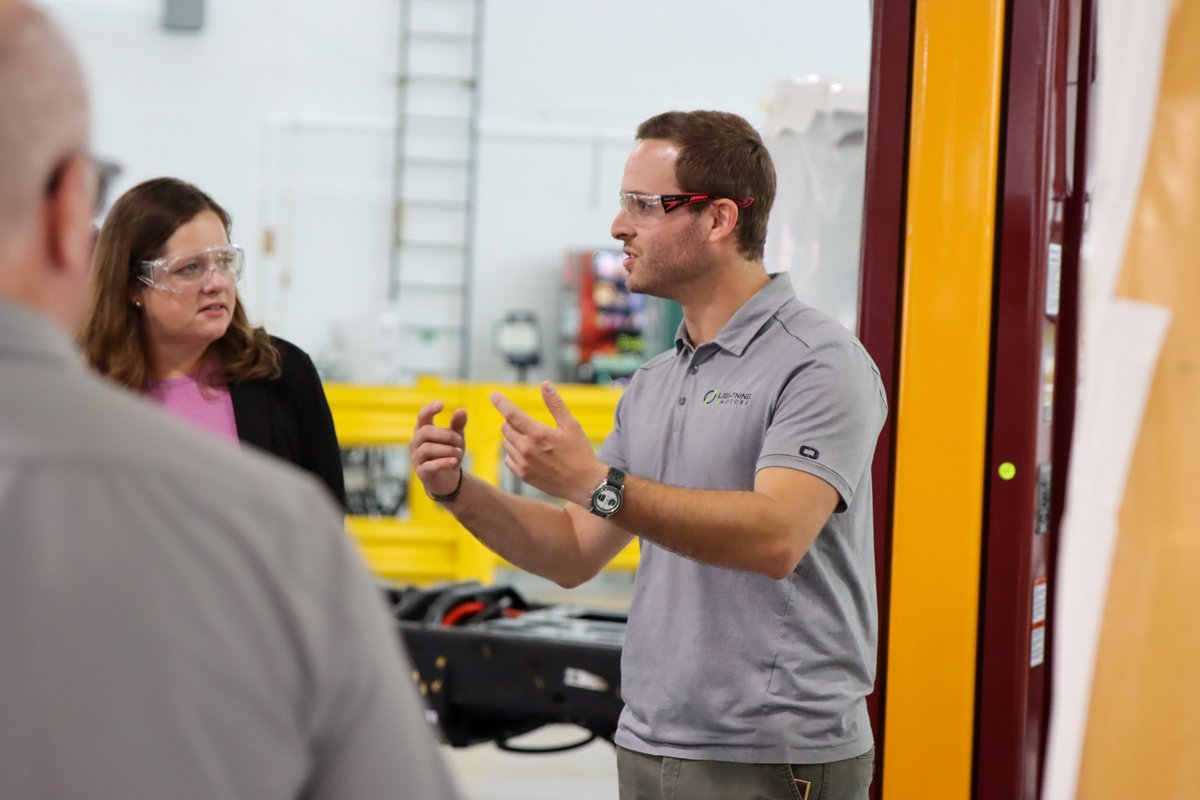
x=727 y=665
x=178 y=618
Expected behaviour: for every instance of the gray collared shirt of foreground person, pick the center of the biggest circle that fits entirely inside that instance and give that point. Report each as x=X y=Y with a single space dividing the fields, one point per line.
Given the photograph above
x=177 y=618
x=732 y=666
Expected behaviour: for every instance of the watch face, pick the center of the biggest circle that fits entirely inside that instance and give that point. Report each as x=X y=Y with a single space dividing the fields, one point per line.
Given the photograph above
x=606 y=500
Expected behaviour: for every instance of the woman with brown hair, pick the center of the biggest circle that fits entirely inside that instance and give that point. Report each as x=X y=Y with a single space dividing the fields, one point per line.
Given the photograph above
x=163 y=318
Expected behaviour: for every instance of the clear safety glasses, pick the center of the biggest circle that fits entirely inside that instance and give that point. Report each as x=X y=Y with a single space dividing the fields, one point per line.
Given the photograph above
x=648 y=205
x=191 y=271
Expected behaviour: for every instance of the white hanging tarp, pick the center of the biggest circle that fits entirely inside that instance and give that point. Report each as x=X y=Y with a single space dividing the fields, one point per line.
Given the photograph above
x=1121 y=343
x=815 y=130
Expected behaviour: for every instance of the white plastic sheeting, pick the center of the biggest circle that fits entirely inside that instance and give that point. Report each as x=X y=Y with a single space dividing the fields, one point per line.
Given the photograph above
x=1121 y=344
x=815 y=130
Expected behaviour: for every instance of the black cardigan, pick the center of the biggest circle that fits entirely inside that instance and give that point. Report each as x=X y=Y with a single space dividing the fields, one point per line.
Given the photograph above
x=289 y=417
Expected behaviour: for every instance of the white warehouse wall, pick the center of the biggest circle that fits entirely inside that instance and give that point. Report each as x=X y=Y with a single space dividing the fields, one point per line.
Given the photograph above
x=283 y=111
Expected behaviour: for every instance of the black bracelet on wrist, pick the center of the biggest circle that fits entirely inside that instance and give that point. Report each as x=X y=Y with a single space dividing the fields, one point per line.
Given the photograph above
x=447 y=498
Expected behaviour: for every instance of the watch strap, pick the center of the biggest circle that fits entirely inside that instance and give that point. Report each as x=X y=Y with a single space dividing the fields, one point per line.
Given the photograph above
x=616 y=478
x=448 y=498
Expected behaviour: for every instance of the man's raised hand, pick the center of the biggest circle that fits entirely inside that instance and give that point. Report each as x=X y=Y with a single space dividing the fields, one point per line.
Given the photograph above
x=558 y=461
x=437 y=452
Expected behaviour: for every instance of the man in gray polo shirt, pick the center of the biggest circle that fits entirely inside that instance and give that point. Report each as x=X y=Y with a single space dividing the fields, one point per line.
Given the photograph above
x=741 y=459
x=177 y=619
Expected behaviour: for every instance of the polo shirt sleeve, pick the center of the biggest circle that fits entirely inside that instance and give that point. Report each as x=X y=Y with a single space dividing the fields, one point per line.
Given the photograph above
x=827 y=417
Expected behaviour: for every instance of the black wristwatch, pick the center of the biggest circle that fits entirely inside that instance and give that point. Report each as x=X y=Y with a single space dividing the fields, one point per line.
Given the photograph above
x=608 y=496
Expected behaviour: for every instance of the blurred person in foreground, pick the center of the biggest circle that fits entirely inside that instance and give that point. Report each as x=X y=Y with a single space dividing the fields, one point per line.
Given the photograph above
x=163 y=318
x=741 y=459
x=176 y=619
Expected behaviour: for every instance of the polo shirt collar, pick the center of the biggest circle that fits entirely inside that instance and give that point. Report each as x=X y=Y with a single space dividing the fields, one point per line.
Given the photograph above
x=748 y=320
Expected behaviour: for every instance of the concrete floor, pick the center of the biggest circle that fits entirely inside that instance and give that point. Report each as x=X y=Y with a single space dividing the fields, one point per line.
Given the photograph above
x=484 y=772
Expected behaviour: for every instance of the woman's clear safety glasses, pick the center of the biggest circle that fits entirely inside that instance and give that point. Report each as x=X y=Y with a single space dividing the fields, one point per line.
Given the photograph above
x=191 y=271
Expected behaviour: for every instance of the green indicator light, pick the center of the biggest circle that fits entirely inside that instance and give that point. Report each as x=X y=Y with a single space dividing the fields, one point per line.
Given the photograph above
x=1008 y=471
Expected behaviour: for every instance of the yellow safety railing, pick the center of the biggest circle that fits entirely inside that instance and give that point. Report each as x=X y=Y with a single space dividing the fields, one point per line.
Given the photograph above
x=430 y=545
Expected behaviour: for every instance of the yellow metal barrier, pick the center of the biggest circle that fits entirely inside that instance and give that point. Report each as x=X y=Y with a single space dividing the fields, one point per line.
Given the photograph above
x=430 y=545
x=941 y=418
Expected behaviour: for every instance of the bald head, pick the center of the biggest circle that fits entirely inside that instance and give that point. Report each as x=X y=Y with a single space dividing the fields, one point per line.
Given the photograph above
x=44 y=115
x=45 y=226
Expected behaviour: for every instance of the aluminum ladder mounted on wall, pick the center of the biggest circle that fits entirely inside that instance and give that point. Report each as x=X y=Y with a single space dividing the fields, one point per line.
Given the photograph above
x=427 y=325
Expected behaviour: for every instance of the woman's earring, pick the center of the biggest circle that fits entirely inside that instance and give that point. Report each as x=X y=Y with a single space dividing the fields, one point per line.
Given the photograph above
x=137 y=303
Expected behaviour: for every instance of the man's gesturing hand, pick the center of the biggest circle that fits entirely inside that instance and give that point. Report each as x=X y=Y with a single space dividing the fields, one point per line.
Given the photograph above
x=437 y=452
x=559 y=461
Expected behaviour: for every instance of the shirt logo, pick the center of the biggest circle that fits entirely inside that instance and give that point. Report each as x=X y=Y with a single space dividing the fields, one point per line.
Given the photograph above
x=720 y=398
x=810 y=452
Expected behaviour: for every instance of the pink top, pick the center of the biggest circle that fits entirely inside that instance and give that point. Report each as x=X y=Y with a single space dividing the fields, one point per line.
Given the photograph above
x=211 y=408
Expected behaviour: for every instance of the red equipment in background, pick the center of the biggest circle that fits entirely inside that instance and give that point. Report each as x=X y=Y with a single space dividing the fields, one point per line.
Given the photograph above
x=603 y=323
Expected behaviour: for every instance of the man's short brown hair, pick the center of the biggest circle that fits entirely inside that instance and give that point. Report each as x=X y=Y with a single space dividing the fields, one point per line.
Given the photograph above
x=721 y=153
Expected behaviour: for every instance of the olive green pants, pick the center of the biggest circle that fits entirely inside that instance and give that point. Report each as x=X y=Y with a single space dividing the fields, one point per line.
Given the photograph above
x=643 y=777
